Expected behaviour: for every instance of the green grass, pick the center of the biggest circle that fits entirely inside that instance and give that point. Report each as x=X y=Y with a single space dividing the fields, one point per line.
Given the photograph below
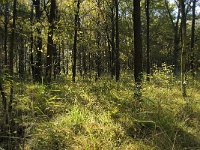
x=105 y=115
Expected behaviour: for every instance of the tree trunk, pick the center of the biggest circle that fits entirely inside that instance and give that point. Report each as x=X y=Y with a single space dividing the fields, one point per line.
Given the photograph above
x=21 y=60
x=51 y=50
x=11 y=58
x=75 y=41
x=183 y=53
x=117 y=41
x=113 y=40
x=137 y=45
x=148 y=44
x=31 y=46
x=6 y=34
x=176 y=41
x=192 y=68
x=38 y=65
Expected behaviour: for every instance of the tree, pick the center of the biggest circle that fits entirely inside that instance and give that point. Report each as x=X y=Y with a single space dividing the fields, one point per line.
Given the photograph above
x=137 y=44
x=50 y=45
x=148 y=40
x=76 y=22
x=193 y=38
x=38 y=65
x=113 y=40
x=11 y=53
x=175 y=27
x=183 y=44
x=6 y=14
x=117 y=41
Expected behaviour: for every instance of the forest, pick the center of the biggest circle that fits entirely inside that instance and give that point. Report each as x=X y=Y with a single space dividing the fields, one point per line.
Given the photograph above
x=99 y=74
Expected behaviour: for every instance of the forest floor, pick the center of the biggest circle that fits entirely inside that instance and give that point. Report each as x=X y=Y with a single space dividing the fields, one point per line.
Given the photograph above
x=104 y=114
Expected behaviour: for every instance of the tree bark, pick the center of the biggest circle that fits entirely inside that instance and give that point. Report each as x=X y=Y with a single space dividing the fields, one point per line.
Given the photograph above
x=50 y=45
x=31 y=44
x=148 y=40
x=137 y=45
x=11 y=58
x=75 y=41
x=184 y=52
x=192 y=68
x=6 y=33
x=22 y=60
x=117 y=41
x=38 y=65
x=113 y=40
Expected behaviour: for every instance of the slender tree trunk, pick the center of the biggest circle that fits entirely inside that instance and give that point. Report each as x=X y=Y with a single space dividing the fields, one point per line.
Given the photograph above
x=50 y=45
x=183 y=53
x=6 y=34
x=11 y=53
x=98 y=42
x=193 y=38
x=63 y=57
x=113 y=39
x=137 y=45
x=117 y=41
x=59 y=59
x=38 y=65
x=31 y=46
x=75 y=41
x=21 y=60
x=148 y=44
x=67 y=61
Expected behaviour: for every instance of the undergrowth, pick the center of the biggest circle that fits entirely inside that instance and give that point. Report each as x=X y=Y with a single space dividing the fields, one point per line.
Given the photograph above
x=105 y=115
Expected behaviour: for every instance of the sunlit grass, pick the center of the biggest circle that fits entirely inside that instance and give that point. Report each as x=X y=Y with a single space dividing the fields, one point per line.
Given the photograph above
x=105 y=115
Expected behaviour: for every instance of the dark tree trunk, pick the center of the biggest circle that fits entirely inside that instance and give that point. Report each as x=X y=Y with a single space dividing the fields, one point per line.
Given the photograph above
x=113 y=40
x=6 y=34
x=11 y=53
x=31 y=46
x=59 y=59
x=21 y=60
x=192 y=68
x=137 y=44
x=76 y=22
x=4 y=103
x=148 y=44
x=117 y=41
x=184 y=52
x=38 y=65
x=51 y=50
